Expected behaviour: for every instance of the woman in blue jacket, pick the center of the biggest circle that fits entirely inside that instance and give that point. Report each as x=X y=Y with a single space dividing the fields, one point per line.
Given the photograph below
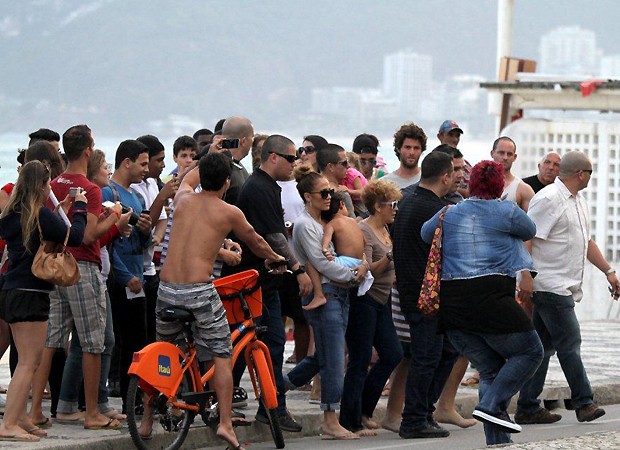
x=483 y=250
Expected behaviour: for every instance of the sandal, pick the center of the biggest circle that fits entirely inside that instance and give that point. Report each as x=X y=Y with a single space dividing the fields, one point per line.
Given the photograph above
x=240 y=397
x=471 y=381
x=114 y=414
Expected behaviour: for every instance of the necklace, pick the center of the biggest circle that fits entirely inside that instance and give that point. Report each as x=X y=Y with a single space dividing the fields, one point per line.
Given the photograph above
x=380 y=231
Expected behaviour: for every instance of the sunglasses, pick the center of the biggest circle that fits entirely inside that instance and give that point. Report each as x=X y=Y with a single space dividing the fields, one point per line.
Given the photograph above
x=324 y=193
x=364 y=161
x=290 y=158
x=307 y=150
x=393 y=205
x=344 y=163
x=587 y=170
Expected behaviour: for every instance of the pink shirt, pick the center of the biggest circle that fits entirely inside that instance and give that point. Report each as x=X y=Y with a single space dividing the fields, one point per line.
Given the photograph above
x=351 y=175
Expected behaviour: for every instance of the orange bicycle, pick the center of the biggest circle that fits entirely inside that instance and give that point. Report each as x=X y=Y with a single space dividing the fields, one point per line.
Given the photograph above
x=169 y=376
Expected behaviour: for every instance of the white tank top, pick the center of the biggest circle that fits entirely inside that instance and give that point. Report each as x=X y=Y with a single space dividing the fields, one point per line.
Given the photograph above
x=510 y=191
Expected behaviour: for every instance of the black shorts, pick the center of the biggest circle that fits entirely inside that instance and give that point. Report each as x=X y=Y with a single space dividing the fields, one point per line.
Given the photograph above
x=24 y=306
x=289 y=298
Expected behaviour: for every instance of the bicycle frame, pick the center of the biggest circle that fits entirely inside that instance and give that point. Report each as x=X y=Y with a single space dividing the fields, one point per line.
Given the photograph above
x=161 y=365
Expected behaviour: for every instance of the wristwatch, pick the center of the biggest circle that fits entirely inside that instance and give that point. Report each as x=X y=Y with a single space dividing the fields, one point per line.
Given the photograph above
x=299 y=271
x=390 y=256
x=610 y=271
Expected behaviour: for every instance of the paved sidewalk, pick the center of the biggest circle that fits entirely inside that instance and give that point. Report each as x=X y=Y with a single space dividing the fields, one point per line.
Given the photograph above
x=600 y=352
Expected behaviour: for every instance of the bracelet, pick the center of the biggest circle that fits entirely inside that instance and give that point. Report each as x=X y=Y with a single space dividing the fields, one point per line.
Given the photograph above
x=389 y=256
x=300 y=270
x=610 y=271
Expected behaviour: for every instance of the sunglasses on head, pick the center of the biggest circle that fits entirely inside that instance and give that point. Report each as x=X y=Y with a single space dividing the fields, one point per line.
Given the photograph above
x=324 y=193
x=308 y=150
x=290 y=158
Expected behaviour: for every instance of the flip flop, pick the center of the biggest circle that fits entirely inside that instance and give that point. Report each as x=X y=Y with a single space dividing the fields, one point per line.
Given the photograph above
x=47 y=423
x=37 y=431
x=20 y=438
x=240 y=422
x=339 y=437
x=107 y=426
x=471 y=381
x=76 y=419
x=114 y=414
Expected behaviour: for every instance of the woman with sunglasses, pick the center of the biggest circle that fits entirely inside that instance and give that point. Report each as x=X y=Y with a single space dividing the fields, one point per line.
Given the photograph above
x=307 y=152
x=328 y=321
x=370 y=316
x=24 y=299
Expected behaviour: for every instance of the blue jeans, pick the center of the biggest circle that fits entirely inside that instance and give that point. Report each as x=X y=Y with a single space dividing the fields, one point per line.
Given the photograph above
x=557 y=326
x=370 y=324
x=505 y=362
x=432 y=358
x=72 y=375
x=329 y=323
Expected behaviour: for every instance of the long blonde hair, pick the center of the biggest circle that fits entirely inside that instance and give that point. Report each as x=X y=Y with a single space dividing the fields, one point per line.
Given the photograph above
x=28 y=198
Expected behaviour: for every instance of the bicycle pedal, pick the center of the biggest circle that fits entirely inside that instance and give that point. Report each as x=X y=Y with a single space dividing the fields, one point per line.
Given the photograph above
x=197 y=398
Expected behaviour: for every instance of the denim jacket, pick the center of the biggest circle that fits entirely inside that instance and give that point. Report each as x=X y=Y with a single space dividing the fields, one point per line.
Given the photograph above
x=483 y=237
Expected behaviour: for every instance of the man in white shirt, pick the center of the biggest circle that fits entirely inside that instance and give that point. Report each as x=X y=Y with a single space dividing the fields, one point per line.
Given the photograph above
x=560 y=249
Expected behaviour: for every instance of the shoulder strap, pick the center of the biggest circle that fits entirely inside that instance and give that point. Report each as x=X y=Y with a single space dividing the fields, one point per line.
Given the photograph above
x=116 y=195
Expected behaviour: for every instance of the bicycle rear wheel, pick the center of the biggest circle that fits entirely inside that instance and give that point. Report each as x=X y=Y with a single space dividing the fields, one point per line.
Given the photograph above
x=267 y=394
x=170 y=425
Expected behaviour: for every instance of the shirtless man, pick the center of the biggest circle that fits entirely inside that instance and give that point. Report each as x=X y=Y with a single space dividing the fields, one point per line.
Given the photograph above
x=201 y=222
x=505 y=152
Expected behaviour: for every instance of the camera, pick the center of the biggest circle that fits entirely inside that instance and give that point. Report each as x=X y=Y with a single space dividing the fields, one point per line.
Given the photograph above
x=133 y=219
x=229 y=143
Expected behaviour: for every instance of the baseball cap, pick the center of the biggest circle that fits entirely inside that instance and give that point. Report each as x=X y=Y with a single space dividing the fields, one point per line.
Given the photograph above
x=449 y=125
x=364 y=143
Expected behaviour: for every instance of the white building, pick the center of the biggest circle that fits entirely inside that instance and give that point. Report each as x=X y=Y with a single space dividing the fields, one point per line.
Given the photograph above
x=569 y=51
x=610 y=67
x=408 y=78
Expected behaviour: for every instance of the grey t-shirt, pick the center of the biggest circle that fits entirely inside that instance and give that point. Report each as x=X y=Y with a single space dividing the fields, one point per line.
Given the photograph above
x=401 y=182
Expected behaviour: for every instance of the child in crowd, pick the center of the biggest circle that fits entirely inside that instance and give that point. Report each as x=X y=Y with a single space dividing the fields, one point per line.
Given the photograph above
x=354 y=182
x=349 y=243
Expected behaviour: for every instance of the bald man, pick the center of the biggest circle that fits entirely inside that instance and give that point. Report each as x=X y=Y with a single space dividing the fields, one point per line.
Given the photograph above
x=548 y=169
x=560 y=249
x=237 y=128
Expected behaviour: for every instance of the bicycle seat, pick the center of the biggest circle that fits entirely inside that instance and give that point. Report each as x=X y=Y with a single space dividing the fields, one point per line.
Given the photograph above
x=174 y=313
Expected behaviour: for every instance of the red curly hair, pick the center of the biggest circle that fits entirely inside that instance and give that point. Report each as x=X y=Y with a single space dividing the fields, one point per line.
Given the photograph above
x=486 y=180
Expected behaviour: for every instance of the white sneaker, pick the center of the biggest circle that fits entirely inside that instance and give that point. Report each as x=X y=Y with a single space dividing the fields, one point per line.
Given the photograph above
x=501 y=420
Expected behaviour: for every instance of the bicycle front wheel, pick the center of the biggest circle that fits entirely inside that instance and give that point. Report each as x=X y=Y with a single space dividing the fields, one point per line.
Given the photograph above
x=170 y=425
x=267 y=395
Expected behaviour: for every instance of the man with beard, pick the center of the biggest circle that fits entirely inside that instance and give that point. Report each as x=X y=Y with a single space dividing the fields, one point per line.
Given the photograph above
x=505 y=152
x=409 y=143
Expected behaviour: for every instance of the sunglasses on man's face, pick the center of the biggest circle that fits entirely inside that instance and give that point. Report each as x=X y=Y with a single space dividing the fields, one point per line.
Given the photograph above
x=324 y=193
x=344 y=163
x=290 y=158
x=364 y=161
x=307 y=150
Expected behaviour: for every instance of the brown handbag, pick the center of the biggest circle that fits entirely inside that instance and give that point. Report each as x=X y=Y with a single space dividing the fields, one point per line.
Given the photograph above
x=54 y=264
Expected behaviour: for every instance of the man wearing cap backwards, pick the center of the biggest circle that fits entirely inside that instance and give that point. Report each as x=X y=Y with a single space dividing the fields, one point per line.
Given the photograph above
x=505 y=152
x=409 y=144
x=365 y=145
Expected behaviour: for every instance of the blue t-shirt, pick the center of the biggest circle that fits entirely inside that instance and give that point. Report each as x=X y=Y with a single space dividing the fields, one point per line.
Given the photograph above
x=126 y=255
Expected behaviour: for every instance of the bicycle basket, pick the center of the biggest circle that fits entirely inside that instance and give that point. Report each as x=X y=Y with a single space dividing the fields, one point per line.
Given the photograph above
x=245 y=281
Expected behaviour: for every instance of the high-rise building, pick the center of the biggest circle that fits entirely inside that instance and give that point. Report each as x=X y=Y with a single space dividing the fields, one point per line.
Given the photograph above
x=569 y=51
x=408 y=78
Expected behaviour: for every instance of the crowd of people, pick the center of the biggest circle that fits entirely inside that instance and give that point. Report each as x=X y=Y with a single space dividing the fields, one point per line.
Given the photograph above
x=350 y=243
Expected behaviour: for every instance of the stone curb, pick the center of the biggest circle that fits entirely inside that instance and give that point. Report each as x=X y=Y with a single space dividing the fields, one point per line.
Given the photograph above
x=71 y=437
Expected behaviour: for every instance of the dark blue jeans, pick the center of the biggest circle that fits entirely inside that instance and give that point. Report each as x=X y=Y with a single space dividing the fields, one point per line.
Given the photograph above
x=275 y=339
x=70 y=389
x=557 y=326
x=370 y=324
x=329 y=323
x=432 y=358
x=505 y=362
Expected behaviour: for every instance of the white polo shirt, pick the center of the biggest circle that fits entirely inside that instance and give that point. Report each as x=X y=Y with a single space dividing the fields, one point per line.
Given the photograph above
x=560 y=246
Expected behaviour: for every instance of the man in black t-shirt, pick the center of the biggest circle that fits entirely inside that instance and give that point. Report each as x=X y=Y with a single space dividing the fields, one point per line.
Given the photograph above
x=431 y=360
x=548 y=169
x=261 y=203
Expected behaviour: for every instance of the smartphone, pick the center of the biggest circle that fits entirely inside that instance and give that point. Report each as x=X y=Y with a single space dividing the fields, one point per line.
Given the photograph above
x=229 y=143
x=108 y=204
x=73 y=191
x=146 y=211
